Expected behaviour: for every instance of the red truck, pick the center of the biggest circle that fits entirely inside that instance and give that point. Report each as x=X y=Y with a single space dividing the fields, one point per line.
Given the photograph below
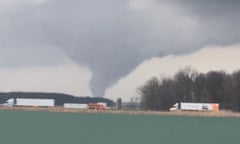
x=96 y=106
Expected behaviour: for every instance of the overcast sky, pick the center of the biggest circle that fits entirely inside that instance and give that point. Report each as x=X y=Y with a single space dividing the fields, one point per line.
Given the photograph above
x=106 y=39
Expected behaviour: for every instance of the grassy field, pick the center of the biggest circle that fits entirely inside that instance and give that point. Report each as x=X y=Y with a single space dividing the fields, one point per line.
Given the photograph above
x=38 y=127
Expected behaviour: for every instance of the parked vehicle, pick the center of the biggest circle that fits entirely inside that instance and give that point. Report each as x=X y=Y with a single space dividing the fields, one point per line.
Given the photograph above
x=195 y=107
x=75 y=106
x=30 y=102
x=97 y=106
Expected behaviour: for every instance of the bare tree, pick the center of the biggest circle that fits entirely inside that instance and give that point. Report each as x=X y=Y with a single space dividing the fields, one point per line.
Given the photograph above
x=149 y=95
x=215 y=85
x=200 y=89
x=184 y=80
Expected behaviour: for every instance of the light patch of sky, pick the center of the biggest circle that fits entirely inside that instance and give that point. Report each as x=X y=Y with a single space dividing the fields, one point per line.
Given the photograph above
x=139 y=4
x=66 y=78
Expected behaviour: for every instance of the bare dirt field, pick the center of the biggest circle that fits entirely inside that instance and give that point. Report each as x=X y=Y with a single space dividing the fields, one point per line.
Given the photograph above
x=127 y=112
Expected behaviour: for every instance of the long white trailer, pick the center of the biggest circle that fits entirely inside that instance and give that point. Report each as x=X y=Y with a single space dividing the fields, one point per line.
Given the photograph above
x=31 y=102
x=195 y=107
x=75 y=106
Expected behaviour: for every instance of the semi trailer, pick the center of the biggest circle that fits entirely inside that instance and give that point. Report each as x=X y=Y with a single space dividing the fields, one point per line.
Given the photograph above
x=30 y=102
x=75 y=106
x=98 y=106
x=183 y=106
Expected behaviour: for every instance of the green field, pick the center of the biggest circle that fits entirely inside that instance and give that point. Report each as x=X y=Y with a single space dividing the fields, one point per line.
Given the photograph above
x=19 y=127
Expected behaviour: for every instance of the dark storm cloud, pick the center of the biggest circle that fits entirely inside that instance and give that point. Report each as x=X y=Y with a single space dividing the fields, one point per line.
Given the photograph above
x=218 y=20
x=211 y=8
x=112 y=38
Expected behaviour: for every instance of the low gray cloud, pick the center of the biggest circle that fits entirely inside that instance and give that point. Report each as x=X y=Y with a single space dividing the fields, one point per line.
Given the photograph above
x=112 y=37
x=30 y=57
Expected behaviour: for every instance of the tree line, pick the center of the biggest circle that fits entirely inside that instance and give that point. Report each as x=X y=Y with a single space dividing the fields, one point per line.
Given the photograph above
x=188 y=85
